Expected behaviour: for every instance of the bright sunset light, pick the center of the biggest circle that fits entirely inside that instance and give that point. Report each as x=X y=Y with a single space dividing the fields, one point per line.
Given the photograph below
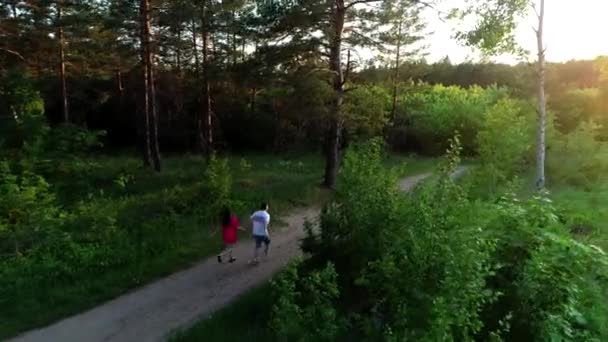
x=572 y=29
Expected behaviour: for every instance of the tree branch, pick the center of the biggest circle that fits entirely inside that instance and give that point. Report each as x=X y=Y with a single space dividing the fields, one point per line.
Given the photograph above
x=356 y=2
x=14 y=53
x=535 y=11
x=431 y=6
x=319 y=69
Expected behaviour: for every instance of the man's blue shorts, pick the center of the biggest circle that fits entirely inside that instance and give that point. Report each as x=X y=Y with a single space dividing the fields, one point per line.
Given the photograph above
x=259 y=239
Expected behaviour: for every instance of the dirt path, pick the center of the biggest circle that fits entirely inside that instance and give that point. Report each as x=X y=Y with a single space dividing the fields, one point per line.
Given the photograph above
x=152 y=312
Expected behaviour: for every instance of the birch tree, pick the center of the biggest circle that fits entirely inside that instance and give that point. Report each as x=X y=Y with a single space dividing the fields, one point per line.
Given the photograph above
x=494 y=34
x=542 y=101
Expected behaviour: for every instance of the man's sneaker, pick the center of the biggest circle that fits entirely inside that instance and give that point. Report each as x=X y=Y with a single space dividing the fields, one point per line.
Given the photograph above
x=219 y=258
x=232 y=260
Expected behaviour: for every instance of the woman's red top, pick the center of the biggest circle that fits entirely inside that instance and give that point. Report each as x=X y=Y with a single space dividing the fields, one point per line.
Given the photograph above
x=229 y=232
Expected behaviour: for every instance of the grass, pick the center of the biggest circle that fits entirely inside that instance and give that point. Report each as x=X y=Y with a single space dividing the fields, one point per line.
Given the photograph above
x=247 y=318
x=586 y=212
x=582 y=206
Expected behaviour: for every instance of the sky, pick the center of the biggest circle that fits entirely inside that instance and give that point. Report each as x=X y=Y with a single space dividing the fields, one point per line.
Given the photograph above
x=574 y=29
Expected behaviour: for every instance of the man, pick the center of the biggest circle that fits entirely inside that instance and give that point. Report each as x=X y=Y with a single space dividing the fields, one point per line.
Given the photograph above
x=260 y=220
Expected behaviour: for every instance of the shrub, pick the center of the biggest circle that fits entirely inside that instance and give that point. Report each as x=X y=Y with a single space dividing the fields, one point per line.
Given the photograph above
x=305 y=305
x=366 y=110
x=25 y=107
x=545 y=276
x=578 y=158
x=28 y=211
x=68 y=139
x=365 y=200
x=217 y=186
x=430 y=116
x=503 y=143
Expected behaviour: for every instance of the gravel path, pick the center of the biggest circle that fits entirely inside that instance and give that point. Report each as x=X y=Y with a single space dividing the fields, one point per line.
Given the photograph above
x=176 y=302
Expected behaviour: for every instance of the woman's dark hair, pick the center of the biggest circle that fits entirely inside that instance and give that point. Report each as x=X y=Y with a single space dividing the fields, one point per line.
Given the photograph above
x=226 y=216
x=264 y=206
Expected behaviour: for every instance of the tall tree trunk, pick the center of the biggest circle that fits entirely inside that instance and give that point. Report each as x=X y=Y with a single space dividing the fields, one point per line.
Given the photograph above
x=396 y=75
x=197 y=64
x=252 y=99
x=542 y=102
x=197 y=71
x=151 y=149
x=119 y=87
x=207 y=97
x=205 y=124
x=62 y=77
x=234 y=42
x=213 y=39
x=178 y=50
x=243 y=49
x=332 y=153
x=14 y=8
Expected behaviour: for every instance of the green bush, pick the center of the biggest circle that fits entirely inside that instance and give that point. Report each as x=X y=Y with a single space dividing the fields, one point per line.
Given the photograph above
x=26 y=124
x=28 y=212
x=217 y=186
x=503 y=144
x=545 y=276
x=366 y=111
x=575 y=106
x=578 y=158
x=69 y=139
x=430 y=116
x=307 y=312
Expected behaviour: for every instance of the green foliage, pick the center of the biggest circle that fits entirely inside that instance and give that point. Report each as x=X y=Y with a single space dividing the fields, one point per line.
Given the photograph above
x=24 y=108
x=306 y=312
x=28 y=212
x=568 y=309
x=68 y=139
x=350 y=237
x=545 y=277
x=496 y=22
x=575 y=106
x=366 y=110
x=438 y=265
x=432 y=115
x=300 y=106
x=578 y=158
x=218 y=185
x=244 y=165
x=504 y=142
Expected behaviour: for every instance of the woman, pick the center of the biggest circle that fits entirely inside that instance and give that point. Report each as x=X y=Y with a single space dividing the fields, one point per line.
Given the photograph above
x=230 y=225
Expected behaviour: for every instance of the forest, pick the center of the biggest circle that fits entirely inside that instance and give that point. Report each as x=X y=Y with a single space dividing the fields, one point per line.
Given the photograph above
x=127 y=126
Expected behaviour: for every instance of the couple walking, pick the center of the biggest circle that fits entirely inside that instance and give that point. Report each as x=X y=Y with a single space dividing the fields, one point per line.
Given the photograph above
x=230 y=224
